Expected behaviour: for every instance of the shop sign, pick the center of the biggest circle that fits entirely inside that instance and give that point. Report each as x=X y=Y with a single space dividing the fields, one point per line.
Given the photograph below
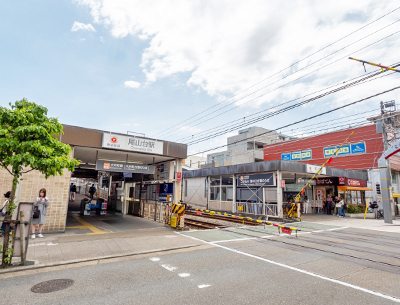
x=357 y=148
x=122 y=167
x=130 y=143
x=342 y=181
x=283 y=183
x=178 y=176
x=293 y=187
x=257 y=180
x=355 y=182
x=298 y=155
x=325 y=181
x=313 y=169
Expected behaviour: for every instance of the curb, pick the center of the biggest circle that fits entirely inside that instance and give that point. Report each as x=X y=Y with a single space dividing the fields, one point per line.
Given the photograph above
x=17 y=269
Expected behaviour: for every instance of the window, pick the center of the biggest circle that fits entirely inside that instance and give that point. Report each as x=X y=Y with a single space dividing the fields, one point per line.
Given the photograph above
x=393 y=177
x=216 y=180
x=215 y=193
x=221 y=188
x=186 y=187
x=226 y=180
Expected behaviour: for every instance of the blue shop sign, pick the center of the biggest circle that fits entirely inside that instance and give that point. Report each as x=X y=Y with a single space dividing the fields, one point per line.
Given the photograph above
x=296 y=155
x=344 y=150
x=358 y=148
x=306 y=154
x=285 y=157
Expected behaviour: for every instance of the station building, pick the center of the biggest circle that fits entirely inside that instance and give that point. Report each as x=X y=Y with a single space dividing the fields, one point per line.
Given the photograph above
x=132 y=173
x=262 y=188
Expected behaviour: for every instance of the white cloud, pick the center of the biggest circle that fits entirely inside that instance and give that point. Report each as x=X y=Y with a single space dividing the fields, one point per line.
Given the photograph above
x=101 y=39
x=81 y=26
x=132 y=84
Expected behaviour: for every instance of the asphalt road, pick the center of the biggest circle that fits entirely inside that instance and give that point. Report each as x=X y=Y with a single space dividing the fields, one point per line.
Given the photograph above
x=205 y=275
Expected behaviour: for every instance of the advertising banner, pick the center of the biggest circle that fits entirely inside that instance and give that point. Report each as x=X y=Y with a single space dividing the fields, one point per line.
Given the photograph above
x=299 y=155
x=357 y=148
x=165 y=190
x=257 y=180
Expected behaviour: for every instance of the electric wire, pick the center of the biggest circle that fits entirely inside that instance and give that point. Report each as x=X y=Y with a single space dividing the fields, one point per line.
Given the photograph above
x=310 y=118
x=295 y=63
x=293 y=81
x=282 y=110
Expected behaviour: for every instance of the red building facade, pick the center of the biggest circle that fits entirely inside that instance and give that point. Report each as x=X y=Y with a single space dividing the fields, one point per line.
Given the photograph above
x=361 y=152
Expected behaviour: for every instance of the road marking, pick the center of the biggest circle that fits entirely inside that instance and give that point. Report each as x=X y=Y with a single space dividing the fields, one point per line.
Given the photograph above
x=89 y=226
x=154 y=259
x=203 y=286
x=184 y=274
x=382 y=295
x=171 y=236
x=228 y=240
x=169 y=267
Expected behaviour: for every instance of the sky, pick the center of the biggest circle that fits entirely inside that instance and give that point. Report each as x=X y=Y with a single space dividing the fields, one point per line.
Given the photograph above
x=197 y=71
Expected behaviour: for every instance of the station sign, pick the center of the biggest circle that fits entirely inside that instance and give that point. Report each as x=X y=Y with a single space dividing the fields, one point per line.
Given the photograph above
x=345 y=150
x=257 y=180
x=298 y=155
x=313 y=169
x=122 y=167
x=166 y=190
x=130 y=143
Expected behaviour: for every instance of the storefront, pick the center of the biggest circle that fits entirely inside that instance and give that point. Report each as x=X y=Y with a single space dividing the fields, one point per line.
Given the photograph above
x=353 y=190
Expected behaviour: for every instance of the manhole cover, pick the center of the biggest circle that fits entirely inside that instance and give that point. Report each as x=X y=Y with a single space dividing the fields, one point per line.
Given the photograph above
x=52 y=285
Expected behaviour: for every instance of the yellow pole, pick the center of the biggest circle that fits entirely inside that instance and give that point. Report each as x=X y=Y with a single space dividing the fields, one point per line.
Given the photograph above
x=366 y=208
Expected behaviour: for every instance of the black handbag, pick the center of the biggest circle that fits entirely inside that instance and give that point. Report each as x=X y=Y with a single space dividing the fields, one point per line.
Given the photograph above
x=36 y=212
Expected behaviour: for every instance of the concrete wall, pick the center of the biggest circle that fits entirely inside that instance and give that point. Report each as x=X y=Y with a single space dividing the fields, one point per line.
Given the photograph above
x=196 y=195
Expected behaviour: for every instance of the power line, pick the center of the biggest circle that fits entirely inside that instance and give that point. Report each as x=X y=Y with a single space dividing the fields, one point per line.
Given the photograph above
x=309 y=118
x=359 y=29
x=282 y=110
x=261 y=95
x=290 y=81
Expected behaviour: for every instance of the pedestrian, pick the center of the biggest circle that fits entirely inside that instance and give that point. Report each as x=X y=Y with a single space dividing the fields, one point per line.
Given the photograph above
x=343 y=206
x=337 y=206
x=73 y=192
x=70 y=191
x=92 y=191
x=3 y=211
x=42 y=202
x=373 y=208
x=305 y=205
x=329 y=206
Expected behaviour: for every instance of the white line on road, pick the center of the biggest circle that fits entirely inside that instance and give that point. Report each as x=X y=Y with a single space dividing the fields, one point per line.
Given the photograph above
x=184 y=274
x=203 y=286
x=169 y=267
x=385 y=296
x=228 y=240
x=154 y=259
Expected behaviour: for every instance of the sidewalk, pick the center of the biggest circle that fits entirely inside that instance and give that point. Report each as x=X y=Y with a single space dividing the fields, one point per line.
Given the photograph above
x=81 y=244
x=370 y=224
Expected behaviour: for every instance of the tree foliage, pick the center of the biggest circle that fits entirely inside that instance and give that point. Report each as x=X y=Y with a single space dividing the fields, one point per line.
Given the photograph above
x=28 y=141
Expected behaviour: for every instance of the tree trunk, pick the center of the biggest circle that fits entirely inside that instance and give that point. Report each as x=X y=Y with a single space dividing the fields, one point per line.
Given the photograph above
x=7 y=220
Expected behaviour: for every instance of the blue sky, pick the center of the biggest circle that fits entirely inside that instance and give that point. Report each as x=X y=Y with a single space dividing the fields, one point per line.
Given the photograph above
x=186 y=57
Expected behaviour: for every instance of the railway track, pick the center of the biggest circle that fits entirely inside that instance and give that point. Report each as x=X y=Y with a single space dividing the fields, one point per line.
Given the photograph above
x=295 y=246
x=225 y=218
x=198 y=224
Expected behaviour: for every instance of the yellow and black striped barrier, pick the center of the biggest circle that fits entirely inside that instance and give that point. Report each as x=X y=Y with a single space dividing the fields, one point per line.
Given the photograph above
x=178 y=208
x=287 y=230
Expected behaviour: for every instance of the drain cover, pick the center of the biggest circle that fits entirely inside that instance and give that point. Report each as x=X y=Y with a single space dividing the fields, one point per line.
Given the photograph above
x=52 y=285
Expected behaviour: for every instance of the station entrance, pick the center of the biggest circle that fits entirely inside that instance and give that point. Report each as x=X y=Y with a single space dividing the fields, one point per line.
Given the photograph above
x=130 y=176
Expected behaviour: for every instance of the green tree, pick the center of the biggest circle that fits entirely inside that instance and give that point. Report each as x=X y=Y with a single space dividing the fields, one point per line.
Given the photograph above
x=28 y=141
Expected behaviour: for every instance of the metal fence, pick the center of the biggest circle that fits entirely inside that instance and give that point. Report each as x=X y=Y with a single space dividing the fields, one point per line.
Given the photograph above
x=154 y=210
x=264 y=209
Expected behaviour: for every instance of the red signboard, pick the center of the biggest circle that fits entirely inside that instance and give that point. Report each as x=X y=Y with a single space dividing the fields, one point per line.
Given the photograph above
x=342 y=181
x=287 y=231
x=355 y=182
x=178 y=176
x=283 y=183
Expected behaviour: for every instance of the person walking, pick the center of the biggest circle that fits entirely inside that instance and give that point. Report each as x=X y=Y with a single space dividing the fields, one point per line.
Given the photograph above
x=92 y=191
x=329 y=206
x=42 y=202
x=3 y=211
x=343 y=206
x=70 y=191
x=337 y=206
x=73 y=192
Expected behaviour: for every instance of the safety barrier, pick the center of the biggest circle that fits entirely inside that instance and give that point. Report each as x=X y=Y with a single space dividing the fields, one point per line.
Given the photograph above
x=287 y=230
x=264 y=209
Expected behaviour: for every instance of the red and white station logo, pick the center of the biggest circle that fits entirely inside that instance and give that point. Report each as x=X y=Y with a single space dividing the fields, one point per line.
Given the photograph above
x=342 y=180
x=114 y=140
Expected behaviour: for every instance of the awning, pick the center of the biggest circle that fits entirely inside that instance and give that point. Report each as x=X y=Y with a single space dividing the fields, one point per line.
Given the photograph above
x=354 y=188
x=396 y=195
